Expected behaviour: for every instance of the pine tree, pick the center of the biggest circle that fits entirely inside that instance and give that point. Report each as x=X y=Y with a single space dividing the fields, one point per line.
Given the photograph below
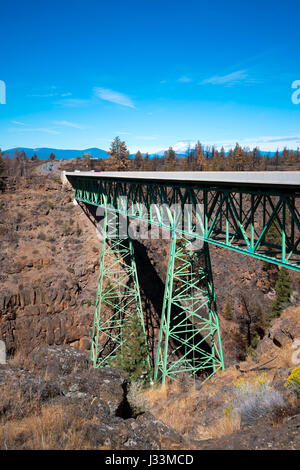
x=188 y=160
x=201 y=160
x=283 y=290
x=255 y=158
x=155 y=162
x=238 y=158
x=285 y=154
x=276 y=159
x=118 y=156
x=229 y=160
x=215 y=162
x=132 y=356
x=146 y=162
x=170 y=160
x=138 y=161
x=222 y=159
x=291 y=157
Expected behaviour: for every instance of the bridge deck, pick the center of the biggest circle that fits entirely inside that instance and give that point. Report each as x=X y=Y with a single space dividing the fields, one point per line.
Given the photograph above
x=281 y=179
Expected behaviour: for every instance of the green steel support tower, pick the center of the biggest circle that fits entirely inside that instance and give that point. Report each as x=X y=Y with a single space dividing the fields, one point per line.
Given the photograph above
x=118 y=293
x=189 y=316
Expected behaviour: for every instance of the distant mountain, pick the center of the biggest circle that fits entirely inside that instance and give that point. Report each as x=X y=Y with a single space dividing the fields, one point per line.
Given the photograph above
x=181 y=149
x=65 y=154
x=59 y=153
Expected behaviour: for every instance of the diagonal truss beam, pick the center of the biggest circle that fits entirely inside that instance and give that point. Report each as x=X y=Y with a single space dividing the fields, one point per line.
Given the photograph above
x=118 y=295
x=189 y=338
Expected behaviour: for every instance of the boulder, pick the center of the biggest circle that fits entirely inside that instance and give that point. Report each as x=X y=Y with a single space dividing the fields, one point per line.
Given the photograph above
x=58 y=360
x=21 y=392
x=282 y=333
x=106 y=384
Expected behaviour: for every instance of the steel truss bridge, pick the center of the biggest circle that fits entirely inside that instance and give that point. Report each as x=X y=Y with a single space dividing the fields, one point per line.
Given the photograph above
x=252 y=213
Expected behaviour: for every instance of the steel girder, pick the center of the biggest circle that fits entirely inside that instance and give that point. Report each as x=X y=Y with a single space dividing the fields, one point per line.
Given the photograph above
x=189 y=338
x=238 y=219
x=118 y=294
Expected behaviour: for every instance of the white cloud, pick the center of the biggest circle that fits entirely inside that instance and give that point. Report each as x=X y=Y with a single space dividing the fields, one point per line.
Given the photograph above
x=184 y=79
x=50 y=93
x=69 y=124
x=113 y=96
x=146 y=137
x=35 y=129
x=267 y=143
x=122 y=133
x=72 y=103
x=228 y=80
x=42 y=95
x=18 y=123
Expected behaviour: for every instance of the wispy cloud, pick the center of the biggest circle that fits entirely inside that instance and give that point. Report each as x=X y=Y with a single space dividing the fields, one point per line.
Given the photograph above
x=113 y=96
x=184 y=79
x=122 y=133
x=69 y=124
x=35 y=130
x=146 y=137
x=72 y=103
x=42 y=95
x=18 y=123
x=283 y=139
x=234 y=78
x=264 y=143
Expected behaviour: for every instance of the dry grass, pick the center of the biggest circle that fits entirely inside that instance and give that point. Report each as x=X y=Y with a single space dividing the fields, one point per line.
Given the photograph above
x=222 y=427
x=278 y=357
x=282 y=357
x=16 y=404
x=180 y=408
x=19 y=361
x=183 y=409
x=55 y=427
x=173 y=405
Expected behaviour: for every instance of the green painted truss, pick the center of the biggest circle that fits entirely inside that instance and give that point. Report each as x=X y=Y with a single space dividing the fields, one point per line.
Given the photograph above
x=189 y=339
x=118 y=295
x=264 y=224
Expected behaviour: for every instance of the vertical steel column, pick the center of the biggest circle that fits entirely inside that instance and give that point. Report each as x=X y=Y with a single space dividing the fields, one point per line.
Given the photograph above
x=118 y=293
x=189 y=339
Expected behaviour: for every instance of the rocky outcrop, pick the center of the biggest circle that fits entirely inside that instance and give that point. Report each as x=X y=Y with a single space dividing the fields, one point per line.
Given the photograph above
x=282 y=332
x=48 y=268
x=282 y=437
x=22 y=392
x=62 y=377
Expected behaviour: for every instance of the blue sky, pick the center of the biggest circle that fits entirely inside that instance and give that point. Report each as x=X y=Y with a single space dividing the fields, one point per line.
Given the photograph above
x=154 y=72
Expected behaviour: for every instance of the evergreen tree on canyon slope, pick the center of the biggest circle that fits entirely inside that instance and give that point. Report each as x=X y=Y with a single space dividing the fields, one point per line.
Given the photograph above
x=118 y=156
x=132 y=357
